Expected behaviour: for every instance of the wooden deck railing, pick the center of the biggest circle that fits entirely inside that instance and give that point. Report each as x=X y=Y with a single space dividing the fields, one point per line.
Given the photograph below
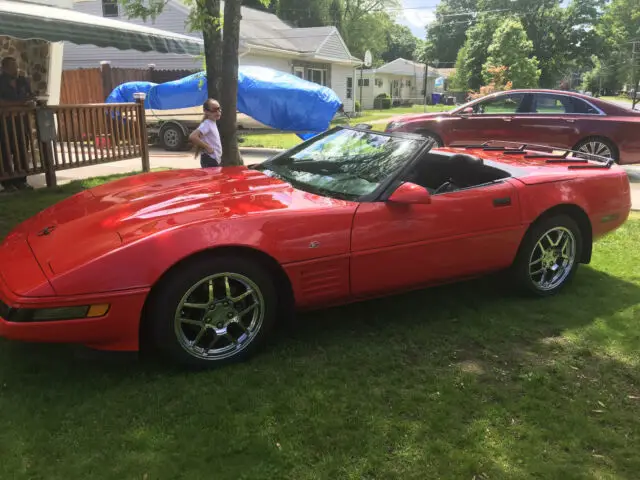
x=19 y=149
x=48 y=139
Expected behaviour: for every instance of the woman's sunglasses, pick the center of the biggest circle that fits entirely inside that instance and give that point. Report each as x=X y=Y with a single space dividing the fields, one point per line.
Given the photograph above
x=213 y=109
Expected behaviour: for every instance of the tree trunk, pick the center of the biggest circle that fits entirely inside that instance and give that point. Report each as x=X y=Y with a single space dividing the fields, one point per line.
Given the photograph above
x=229 y=93
x=212 y=36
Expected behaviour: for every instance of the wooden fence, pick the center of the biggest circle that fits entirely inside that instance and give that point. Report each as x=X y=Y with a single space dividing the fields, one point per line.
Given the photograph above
x=48 y=139
x=93 y=85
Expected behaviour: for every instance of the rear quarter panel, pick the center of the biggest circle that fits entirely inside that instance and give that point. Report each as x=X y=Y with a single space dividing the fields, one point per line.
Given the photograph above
x=604 y=195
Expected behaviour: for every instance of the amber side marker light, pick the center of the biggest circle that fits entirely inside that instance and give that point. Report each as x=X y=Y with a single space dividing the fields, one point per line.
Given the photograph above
x=98 y=310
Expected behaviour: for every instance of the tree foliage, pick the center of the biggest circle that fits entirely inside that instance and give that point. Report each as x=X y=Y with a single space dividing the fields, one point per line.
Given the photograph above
x=562 y=33
x=511 y=48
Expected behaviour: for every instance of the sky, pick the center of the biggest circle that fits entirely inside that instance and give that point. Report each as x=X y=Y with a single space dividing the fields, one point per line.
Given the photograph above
x=417 y=14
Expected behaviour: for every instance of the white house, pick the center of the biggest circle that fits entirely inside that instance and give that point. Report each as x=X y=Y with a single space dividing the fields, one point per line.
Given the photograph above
x=401 y=79
x=316 y=54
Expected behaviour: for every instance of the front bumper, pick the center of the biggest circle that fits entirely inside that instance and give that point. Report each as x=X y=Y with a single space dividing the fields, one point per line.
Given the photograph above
x=117 y=330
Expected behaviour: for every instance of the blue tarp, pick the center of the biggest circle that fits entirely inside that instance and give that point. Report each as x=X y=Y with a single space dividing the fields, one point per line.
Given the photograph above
x=279 y=100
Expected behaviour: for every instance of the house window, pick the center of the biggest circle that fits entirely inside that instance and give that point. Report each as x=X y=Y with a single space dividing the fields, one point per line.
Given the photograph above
x=298 y=72
x=379 y=82
x=349 y=87
x=317 y=75
x=110 y=8
x=363 y=82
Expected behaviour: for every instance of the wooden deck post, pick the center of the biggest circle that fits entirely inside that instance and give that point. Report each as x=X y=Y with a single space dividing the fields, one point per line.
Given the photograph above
x=46 y=130
x=144 y=137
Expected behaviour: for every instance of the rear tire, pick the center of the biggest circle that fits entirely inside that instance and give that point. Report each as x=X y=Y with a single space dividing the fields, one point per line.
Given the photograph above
x=593 y=145
x=548 y=256
x=172 y=138
x=213 y=311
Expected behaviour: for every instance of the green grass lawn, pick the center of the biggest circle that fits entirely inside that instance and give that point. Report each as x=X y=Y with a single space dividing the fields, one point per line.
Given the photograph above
x=620 y=98
x=458 y=382
x=379 y=117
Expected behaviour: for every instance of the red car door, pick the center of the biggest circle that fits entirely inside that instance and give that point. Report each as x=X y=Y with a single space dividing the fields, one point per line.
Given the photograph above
x=491 y=119
x=459 y=234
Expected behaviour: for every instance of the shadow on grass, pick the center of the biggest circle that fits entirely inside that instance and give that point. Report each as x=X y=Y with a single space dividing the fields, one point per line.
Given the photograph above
x=450 y=382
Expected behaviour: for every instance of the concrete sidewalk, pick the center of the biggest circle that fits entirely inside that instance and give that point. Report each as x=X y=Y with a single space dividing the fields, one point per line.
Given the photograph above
x=157 y=158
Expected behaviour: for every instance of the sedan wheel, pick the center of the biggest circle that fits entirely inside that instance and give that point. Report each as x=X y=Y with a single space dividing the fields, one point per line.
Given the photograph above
x=432 y=138
x=596 y=146
x=549 y=255
x=212 y=311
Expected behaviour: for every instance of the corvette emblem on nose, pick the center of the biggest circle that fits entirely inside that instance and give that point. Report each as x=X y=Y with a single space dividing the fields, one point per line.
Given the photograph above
x=46 y=231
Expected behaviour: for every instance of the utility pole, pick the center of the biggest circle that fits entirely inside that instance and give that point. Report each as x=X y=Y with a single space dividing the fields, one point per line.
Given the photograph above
x=635 y=60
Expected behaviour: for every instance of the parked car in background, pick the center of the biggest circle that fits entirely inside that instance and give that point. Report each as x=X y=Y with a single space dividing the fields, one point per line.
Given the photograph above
x=201 y=263
x=547 y=117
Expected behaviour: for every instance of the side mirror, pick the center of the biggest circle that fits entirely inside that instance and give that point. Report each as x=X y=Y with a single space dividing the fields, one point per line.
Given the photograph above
x=410 y=194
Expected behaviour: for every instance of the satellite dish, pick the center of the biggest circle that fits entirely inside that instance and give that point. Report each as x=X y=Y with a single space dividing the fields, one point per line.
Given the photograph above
x=367 y=58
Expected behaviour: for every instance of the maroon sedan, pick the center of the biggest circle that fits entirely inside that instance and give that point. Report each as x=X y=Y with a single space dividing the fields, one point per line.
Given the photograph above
x=543 y=117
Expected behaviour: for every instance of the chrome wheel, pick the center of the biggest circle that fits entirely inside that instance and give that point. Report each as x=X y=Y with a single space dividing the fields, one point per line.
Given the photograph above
x=596 y=147
x=219 y=316
x=552 y=259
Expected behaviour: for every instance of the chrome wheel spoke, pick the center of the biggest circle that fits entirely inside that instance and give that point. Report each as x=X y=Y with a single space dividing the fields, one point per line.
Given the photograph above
x=227 y=287
x=242 y=296
x=199 y=306
x=250 y=308
x=201 y=333
x=211 y=292
x=188 y=321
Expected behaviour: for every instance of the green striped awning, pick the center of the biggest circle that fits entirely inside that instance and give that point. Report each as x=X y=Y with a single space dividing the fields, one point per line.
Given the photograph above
x=28 y=21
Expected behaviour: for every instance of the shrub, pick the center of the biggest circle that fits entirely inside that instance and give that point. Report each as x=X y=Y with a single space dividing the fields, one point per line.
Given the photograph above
x=382 y=102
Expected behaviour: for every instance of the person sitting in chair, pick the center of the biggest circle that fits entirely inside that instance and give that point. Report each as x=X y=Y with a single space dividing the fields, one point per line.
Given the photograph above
x=14 y=91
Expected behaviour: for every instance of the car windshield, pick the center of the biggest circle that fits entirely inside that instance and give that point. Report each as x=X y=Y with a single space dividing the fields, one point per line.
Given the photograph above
x=345 y=164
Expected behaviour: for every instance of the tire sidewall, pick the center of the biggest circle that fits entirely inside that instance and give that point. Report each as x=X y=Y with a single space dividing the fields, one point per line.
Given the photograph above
x=537 y=230
x=166 y=298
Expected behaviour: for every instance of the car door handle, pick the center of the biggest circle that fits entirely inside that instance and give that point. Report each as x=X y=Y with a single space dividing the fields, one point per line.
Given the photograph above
x=502 y=202
x=507 y=119
x=570 y=120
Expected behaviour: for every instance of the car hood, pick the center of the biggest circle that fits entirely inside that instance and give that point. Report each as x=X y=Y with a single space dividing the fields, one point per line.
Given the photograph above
x=97 y=221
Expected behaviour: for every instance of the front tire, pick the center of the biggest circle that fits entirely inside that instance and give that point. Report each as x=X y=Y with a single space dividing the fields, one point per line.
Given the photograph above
x=213 y=311
x=435 y=140
x=549 y=256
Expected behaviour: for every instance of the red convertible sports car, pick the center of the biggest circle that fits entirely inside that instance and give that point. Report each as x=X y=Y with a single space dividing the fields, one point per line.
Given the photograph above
x=201 y=263
x=549 y=117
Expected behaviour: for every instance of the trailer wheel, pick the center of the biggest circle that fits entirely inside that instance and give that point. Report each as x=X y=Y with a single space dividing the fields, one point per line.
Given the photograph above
x=172 y=137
